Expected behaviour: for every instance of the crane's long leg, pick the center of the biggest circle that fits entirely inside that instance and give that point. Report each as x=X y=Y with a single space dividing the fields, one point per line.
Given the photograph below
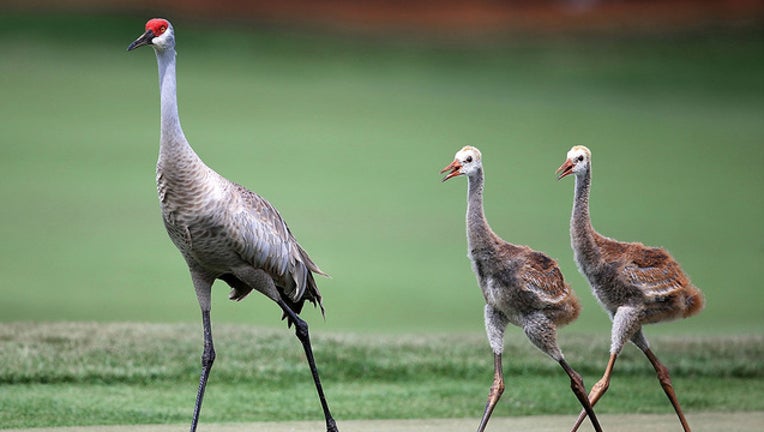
x=203 y=286
x=208 y=357
x=598 y=389
x=495 y=324
x=625 y=326
x=577 y=385
x=497 y=389
x=665 y=380
x=542 y=332
x=301 y=330
x=640 y=341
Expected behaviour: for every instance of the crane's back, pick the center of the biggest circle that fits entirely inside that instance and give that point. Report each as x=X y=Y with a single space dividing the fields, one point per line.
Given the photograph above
x=520 y=281
x=647 y=277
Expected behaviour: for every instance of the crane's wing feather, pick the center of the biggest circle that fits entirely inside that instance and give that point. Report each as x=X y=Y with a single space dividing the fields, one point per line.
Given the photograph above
x=267 y=243
x=654 y=271
x=541 y=275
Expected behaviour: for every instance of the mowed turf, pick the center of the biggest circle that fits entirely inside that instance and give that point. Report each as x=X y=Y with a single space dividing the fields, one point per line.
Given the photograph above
x=346 y=137
x=701 y=422
x=76 y=374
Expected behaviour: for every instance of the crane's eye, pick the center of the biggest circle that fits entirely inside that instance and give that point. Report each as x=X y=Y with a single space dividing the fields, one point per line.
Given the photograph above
x=580 y=158
x=162 y=29
x=469 y=159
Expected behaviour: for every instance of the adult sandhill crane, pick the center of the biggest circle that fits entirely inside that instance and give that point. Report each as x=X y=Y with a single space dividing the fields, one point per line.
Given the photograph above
x=636 y=284
x=521 y=286
x=223 y=230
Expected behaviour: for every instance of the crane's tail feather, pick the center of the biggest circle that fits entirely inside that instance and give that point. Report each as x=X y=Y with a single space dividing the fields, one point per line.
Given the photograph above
x=312 y=266
x=311 y=294
x=694 y=302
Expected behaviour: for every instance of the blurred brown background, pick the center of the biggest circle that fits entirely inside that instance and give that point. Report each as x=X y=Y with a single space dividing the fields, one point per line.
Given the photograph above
x=443 y=17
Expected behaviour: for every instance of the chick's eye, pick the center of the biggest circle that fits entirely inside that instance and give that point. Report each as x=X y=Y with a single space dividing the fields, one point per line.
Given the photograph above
x=580 y=158
x=469 y=159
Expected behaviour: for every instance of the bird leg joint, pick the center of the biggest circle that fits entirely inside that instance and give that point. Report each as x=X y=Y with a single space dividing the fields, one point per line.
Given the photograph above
x=301 y=330
x=577 y=383
x=664 y=377
x=208 y=356
x=497 y=389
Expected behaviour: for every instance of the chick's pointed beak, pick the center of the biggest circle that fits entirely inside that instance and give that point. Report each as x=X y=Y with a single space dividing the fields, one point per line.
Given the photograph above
x=454 y=168
x=144 y=39
x=564 y=169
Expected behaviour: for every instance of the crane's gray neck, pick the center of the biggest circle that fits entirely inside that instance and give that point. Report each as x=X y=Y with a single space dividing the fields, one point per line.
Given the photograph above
x=172 y=137
x=582 y=234
x=478 y=231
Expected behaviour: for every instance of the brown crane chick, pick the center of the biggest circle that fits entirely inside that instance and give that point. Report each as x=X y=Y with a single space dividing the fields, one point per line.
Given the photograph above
x=636 y=284
x=520 y=286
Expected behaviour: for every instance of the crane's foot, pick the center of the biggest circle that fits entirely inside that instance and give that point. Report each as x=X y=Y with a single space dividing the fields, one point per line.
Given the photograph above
x=331 y=426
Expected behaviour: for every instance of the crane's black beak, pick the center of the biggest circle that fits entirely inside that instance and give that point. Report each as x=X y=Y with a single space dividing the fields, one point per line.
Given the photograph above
x=145 y=39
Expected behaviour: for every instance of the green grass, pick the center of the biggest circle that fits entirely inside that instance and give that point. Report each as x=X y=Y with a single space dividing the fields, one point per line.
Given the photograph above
x=65 y=374
x=345 y=136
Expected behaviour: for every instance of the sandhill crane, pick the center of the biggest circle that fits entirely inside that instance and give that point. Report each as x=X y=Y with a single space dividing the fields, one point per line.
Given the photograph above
x=636 y=284
x=521 y=286
x=223 y=230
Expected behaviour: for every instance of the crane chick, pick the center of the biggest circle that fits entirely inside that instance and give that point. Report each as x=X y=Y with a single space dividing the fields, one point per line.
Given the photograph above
x=520 y=286
x=636 y=284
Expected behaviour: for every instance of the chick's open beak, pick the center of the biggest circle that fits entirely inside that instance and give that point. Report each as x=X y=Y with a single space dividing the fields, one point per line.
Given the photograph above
x=564 y=169
x=144 y=39
x=454 y=168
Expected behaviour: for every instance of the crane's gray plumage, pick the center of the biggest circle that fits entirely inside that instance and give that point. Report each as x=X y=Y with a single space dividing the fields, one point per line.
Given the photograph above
x=520 y=286
x=223 y=230
x=220 y=226
x=635 y=284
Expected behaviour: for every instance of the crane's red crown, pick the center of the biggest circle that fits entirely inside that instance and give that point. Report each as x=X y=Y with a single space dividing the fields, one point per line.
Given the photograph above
x=157 y=26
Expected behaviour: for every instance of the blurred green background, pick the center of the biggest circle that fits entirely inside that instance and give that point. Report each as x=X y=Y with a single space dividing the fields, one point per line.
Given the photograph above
x=345 y=135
